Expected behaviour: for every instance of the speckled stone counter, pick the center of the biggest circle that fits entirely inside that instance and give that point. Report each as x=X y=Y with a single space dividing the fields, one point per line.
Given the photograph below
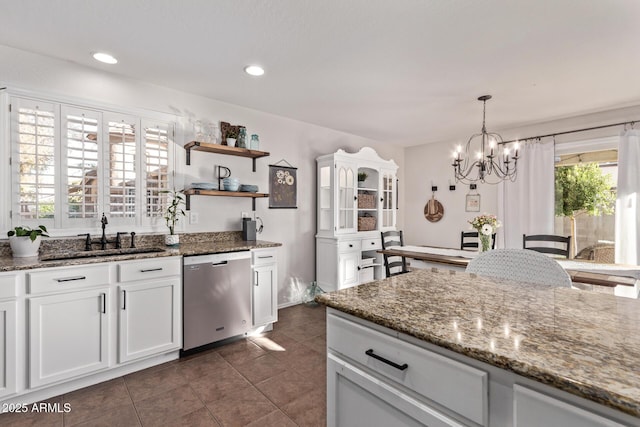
x=585 y=343
x=191 y=244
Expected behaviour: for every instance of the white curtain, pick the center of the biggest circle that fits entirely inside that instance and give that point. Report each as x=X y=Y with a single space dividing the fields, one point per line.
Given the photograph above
x=526 y=206
x=627 y=207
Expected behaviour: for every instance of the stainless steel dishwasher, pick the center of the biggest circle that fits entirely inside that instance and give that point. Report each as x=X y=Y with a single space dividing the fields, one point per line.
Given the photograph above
x=216 y=297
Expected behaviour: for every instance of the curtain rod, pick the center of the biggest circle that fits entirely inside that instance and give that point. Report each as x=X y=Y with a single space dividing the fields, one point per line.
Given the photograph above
x=630 y=122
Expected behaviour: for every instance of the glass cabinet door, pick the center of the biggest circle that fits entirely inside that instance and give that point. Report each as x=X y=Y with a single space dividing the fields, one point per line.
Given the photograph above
x=324 y=198
x=388 y=200
x=346 y=179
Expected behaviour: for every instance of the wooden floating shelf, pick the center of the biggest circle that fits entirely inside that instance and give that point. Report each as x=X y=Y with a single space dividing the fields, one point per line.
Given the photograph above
x=195 y=192
x=223 y=149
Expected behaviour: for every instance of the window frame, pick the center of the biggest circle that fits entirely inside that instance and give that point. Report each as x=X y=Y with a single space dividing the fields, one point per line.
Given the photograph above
x=61 y=225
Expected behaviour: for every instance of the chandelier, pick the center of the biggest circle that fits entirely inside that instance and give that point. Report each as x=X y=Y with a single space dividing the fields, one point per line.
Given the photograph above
x=485 y=157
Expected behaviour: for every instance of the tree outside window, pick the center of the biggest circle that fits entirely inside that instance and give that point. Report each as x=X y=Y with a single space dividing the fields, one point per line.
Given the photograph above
x=585 y=195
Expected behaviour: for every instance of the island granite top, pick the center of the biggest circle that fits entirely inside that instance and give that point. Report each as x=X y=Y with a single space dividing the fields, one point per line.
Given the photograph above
x=582 y=342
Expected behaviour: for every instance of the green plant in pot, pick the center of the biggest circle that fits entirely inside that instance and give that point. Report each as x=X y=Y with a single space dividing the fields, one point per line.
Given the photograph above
x=232 y=135
x=25 y=241
x=172 y=215
x=362 y=177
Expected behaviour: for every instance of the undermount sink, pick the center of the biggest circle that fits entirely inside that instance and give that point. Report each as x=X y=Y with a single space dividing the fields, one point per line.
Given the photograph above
x=99 y=253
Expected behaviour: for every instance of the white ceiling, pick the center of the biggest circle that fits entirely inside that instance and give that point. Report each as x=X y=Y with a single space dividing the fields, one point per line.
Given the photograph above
x=403 y=71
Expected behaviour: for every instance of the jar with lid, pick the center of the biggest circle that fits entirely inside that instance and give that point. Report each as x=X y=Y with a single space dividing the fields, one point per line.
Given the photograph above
x=242 y=137
x=255 y=142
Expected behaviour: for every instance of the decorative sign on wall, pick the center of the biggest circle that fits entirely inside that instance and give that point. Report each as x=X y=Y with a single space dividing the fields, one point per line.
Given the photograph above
x=283 y=186
x=473 y=203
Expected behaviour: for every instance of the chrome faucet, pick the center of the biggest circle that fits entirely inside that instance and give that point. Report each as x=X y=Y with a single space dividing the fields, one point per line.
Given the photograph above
x=103 y=239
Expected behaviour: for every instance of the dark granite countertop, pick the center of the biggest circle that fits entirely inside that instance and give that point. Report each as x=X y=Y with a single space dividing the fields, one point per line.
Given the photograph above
x=584 y=343
x=188 y=248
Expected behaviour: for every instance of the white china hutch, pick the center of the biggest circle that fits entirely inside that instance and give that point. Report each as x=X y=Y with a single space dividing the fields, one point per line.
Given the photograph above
x=356 y=201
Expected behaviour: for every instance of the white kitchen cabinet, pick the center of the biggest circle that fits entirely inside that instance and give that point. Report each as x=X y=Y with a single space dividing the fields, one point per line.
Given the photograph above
x=68 y=335
x=356 y=398
x=149 y=307
x=148 y=319
x=349 y=268
x=534 y=409
x=8 y=333
x=349 y=209
x=364 y=354
x=265 y=287
x=379 y=377
x=8 y=344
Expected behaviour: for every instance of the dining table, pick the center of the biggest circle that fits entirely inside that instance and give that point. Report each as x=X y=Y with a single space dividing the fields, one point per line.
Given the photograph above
x=624 y=279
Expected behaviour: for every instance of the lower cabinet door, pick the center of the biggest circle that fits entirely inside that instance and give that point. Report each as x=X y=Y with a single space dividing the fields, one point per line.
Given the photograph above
x=8 y=348
x=265 y=303
x=355 y=398
x=149 y=319
x=348 y=263
x=68 y=335
x=534 y=409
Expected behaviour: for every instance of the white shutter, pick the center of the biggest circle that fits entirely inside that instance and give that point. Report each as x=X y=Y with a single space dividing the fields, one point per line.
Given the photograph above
x=33 y=132
x=156 y=163
x=81 y=171
x=121 y=144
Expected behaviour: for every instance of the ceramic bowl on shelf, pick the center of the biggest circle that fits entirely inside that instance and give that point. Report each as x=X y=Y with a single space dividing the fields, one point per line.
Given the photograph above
x=249 y=188
x=231 y=184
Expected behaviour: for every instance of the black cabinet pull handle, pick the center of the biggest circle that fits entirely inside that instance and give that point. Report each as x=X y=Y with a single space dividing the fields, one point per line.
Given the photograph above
x=151 y=269
x=387 y=361
x=103 y=297
x=350 y=245
x=71 y=279
x=124 y=300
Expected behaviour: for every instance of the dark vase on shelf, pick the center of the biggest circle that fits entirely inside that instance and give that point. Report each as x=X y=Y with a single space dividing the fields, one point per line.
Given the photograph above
x=242 y=138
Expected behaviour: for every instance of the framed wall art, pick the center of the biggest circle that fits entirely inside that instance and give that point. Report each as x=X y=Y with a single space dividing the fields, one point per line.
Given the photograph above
x=473 y=203
x=283 y=186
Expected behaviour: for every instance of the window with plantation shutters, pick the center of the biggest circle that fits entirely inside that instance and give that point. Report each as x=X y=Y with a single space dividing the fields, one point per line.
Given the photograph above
x=156 y=158
x=34 y=159
x=71 y=163
x=81 y=138
x=122 y=147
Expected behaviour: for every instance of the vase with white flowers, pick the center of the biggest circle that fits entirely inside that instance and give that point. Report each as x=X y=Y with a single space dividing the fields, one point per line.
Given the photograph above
x=486 y=225
x=172 y=215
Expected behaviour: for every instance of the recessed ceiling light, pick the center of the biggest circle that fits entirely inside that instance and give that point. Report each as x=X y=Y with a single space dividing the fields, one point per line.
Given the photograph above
x=105 y=57
x=254 y=70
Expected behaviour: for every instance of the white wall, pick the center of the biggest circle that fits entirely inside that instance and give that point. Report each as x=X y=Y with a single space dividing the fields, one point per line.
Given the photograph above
x=297 y=142
x=432 y=162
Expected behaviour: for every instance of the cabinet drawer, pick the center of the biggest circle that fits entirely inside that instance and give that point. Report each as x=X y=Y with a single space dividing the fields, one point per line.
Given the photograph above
x=66 y=278
x=452 y=384
x=148 y=269
x=263 y=256
x=8 y=285
x=371 y=244
x=349 y=245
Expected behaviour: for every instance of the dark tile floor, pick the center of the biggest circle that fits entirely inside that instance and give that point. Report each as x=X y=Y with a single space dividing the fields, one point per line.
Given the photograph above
x=277 y=379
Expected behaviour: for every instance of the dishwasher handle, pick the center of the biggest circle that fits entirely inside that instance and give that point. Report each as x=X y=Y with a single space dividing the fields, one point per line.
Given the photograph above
x=219 y=264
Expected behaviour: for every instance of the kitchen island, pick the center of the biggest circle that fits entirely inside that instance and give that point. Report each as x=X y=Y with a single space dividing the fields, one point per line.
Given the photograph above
x=482 y=351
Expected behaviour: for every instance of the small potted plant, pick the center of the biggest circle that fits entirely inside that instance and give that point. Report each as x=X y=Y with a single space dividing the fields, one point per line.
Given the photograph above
x=171 y=215
x=25 y=241
x=362 y=176
x=232 y=134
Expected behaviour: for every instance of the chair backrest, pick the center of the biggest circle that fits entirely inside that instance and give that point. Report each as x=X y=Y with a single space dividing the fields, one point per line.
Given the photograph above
x=473 y=242
x=393 y=265
x=522 y=265
x=565 y=242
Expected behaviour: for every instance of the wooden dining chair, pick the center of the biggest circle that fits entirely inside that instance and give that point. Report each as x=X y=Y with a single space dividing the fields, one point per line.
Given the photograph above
x=393 y=264
x=469 y=239
x=521 y=265
x=564 y=242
